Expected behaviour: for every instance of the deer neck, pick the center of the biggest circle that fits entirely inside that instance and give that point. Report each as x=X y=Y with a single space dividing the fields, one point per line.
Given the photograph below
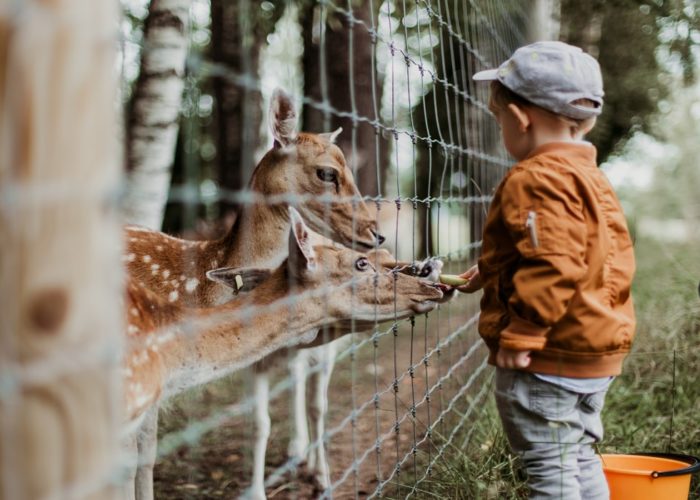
x=258 y=238
x=223 y=339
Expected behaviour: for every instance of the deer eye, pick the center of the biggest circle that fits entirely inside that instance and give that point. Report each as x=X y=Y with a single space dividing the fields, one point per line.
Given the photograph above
x=327 y=175
x=361 y=264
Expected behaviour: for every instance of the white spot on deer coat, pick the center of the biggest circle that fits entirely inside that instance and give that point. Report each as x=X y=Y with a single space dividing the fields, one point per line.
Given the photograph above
x=146 y=258
x=191 y=285
x=159 y=248
x=173 y=296
x=130 y=258
x=166 y=273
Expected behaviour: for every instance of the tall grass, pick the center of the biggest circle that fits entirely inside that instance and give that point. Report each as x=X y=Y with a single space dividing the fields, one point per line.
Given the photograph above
x=652 y=407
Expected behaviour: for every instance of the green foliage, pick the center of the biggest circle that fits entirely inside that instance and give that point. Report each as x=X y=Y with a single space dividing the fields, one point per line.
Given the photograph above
x=639 y=45
x=481 y=467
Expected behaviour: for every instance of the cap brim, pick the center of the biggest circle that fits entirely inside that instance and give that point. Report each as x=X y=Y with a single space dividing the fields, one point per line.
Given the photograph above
x=488 y=74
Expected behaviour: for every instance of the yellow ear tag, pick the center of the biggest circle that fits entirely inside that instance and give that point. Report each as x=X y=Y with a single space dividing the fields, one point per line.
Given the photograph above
x=239 y=282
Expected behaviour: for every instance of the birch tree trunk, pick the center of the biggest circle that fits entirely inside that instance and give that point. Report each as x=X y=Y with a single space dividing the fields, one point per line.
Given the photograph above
x=154 y=115
x=60 y=279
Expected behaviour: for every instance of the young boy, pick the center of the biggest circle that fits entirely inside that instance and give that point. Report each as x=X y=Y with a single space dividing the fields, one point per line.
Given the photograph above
x=556 y=269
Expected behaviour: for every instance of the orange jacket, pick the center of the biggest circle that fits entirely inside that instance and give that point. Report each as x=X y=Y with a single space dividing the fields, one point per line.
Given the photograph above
x=557 y=265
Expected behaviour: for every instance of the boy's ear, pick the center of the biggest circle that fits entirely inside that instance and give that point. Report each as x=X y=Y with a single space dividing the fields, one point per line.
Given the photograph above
x=588 y=126
x=301 y=252
x=521 y=116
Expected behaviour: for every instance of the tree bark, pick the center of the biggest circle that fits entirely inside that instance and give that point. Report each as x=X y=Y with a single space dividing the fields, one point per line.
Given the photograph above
x=60 y=278
x=365 y=150
x=155 y=109
x=237 y=111
x=239 y=31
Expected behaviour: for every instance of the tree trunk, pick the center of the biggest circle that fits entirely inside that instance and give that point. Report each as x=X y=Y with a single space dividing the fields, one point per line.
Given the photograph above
x=155 y=109
x=365 y=150
x=60 y=277
x=239 y=30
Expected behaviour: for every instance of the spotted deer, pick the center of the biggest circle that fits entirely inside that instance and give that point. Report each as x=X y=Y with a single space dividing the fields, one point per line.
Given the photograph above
x=171 y=348
x=308 y=169
x=303 y=167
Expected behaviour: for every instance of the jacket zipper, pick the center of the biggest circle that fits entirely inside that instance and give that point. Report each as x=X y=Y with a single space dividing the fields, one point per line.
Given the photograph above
x=531 y=224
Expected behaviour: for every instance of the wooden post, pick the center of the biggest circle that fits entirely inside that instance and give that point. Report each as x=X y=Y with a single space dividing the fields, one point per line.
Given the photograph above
x=60 y=272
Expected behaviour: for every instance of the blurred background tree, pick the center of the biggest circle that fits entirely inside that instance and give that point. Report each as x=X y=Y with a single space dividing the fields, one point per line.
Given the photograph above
x=634 y=41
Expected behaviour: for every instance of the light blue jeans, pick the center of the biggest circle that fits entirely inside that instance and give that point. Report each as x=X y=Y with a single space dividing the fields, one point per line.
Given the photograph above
x=553 y=430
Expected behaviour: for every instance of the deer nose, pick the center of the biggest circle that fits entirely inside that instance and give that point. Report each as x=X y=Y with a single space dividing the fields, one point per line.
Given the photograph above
x=379 y=237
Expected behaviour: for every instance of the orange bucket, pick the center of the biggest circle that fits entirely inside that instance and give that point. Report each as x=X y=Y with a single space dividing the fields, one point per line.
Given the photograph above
x=649 y=476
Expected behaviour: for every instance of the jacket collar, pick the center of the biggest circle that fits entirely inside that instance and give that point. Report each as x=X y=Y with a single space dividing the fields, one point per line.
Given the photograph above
x=580 y=150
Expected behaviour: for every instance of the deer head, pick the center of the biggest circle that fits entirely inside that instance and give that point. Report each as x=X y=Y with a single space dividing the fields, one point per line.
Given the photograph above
x=349 y=283
x=313 y=167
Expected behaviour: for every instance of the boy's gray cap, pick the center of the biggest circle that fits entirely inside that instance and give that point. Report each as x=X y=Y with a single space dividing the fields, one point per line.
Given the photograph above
x=552 y=75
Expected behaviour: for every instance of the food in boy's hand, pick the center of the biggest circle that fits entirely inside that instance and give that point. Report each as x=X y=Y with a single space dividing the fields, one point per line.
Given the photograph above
x=453 y=280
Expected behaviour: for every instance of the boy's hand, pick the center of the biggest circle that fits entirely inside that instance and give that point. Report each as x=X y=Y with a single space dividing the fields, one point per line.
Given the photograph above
x=474 y=280
x=513 y=360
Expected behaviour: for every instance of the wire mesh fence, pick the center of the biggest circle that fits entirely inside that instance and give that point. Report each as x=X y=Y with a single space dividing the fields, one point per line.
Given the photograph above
x=396 y=75
x=424 y=151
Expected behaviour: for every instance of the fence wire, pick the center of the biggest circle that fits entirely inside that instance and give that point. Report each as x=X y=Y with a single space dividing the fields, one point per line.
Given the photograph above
x=432 y=125
x=437 y=158
x=402 y=389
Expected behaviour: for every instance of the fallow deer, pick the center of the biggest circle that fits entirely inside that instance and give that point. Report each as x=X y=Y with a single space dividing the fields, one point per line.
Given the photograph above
x=308 y=170
x=304 y=167
x=171 y=348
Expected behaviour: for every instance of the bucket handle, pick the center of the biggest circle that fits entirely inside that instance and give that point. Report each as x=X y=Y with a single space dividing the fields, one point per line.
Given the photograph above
x=693 y=464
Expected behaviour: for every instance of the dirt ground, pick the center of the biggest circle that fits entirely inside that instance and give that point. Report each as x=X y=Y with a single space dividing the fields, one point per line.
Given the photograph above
x=219 y=463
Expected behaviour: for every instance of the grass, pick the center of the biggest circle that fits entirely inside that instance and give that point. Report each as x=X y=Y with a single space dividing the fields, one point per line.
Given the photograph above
x=651 y=407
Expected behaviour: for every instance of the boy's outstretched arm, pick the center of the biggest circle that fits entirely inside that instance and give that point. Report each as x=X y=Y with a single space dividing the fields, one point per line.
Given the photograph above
x=474 y=284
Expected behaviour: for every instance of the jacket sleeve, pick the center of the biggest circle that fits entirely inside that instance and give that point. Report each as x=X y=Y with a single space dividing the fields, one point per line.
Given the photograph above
x=544 y=216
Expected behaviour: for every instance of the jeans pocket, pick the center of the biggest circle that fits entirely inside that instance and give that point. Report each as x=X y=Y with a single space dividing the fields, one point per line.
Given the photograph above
x=593 y=403
x=549 y=400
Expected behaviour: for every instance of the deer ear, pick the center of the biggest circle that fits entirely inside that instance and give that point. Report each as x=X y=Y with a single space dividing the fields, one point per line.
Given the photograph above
x=239 y=279
x=301 y=253
x=283 y=118
x=332 y=136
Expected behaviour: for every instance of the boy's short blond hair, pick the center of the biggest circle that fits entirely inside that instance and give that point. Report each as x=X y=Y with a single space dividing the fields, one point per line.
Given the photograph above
x=501 y=96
